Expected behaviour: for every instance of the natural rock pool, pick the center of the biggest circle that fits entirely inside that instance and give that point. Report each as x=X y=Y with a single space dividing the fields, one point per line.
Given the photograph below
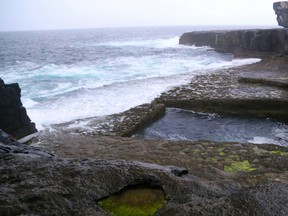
x=138 y=200
x=178 y=124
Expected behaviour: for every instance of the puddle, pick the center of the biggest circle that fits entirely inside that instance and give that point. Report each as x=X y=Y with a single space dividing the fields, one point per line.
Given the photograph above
x=178 y=124
x=138 y=200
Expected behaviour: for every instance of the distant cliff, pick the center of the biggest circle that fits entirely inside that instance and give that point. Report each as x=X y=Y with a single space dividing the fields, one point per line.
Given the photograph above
x=254 y=40
x=13 y=117
x=281 y=10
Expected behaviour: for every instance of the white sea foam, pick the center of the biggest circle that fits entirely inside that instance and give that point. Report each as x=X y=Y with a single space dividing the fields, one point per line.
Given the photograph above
x=105 y=76
x=263 y=140
x=280 y=132
x=28 y=103
x=80 y=125
x=140 y=83
x=100 y=101
x=158 y=43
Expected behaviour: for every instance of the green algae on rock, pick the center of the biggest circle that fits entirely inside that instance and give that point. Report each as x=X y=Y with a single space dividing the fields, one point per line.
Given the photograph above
x=241 y=166
x=140 y=201
x=278 y=152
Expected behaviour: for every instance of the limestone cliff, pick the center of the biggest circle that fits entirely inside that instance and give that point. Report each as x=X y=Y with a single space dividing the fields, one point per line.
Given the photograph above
x=253 y=40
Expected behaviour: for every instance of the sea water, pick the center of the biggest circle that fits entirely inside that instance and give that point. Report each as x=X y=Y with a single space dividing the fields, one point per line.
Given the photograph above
x=178 y=124
x=75 y=74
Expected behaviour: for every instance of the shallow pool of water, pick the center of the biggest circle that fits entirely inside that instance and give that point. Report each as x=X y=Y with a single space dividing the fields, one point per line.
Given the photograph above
x=180 y=124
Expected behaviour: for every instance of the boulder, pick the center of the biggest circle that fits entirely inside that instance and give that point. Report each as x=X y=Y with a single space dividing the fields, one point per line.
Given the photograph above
x=281 y=10
x=13 y=116
x=233 y=41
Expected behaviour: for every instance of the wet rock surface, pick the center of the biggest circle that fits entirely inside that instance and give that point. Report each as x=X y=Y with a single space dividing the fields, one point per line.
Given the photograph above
x=13 y=117
x=199 y=158
x=34 y=181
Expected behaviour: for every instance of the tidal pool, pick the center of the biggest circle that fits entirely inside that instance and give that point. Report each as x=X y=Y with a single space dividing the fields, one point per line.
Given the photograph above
x=132 y=201
x=178 y=124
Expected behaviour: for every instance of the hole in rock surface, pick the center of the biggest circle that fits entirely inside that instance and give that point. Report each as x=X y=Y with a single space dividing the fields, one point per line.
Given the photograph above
x=134 y=201
x=178 y=124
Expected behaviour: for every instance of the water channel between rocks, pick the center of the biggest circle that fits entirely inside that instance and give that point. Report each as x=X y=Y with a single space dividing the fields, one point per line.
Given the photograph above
x=178 y=124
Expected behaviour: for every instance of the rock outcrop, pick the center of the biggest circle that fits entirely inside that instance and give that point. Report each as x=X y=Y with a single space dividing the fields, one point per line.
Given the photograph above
x=36 y=182
x=13 y=116
x=237 y=41
x=281 y=10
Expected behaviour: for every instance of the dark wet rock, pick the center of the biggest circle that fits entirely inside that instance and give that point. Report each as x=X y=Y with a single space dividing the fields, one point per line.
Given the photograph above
x=281 y=10
x=46 y=184
x=6 y=138
x=9 y=145
x=13 y=116
x=250 y=201
x=254 y=41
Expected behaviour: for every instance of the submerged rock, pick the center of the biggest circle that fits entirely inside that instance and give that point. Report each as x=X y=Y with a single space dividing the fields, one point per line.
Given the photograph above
x=281 y=10
x=13 y=116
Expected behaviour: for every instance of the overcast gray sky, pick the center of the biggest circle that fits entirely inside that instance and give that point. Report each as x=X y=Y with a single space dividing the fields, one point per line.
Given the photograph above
x=71 y=14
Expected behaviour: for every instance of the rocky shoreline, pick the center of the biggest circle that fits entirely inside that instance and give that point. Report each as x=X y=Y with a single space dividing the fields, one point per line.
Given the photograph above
x=81 y=167
x=257 y=90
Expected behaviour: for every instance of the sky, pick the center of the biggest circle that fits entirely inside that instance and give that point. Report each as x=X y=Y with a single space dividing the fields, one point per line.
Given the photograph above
x=19 y=15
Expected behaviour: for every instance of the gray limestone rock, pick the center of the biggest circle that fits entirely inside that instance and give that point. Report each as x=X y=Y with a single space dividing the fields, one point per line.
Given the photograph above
x=281 y=10
x=254 y=41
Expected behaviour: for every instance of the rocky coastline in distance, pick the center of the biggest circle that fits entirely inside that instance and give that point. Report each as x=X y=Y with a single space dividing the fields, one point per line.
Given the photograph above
x=74 y=170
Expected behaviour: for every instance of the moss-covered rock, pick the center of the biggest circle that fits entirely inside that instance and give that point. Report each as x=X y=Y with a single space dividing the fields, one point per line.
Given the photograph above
x=239 y=166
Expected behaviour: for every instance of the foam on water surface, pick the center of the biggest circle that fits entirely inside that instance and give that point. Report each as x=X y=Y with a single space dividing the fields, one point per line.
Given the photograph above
x=68 y=75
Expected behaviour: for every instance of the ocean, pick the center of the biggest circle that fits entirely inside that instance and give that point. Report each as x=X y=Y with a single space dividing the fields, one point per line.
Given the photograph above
x=179 y=124
x=74 y=74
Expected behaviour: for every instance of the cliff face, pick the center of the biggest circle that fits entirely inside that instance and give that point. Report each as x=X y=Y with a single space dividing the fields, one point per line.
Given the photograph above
x=281 y=10
x=266 y=40
x=13 y=117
